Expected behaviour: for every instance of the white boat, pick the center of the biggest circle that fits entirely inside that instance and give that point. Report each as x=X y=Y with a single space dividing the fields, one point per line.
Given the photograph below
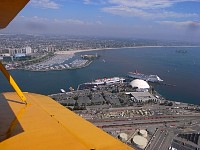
x=62 y=90
x=151 y=78
x=107 y=81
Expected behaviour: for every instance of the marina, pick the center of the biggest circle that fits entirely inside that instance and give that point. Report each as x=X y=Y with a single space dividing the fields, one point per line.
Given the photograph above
x=59 y=62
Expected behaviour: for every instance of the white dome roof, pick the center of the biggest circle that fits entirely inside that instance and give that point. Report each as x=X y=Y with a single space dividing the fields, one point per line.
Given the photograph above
x=140 y=84
x=140 y=141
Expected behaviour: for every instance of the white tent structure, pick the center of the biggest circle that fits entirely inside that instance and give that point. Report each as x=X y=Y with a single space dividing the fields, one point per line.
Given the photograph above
x=140 y=84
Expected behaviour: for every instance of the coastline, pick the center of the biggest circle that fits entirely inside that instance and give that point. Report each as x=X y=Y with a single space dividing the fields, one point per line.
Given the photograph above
x=71 y=52
x=179 y=93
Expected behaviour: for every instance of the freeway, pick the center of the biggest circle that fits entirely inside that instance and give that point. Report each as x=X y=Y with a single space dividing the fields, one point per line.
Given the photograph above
x=156 y=140
x=161 y=140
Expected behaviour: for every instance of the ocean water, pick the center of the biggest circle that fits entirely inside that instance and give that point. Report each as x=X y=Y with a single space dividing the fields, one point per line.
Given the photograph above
x=182 y=70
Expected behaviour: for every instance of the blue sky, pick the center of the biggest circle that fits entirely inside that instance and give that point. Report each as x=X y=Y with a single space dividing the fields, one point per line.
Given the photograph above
x=149 y=19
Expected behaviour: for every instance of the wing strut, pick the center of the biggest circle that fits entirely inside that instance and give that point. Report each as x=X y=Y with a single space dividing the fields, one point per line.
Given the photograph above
x=13 y=83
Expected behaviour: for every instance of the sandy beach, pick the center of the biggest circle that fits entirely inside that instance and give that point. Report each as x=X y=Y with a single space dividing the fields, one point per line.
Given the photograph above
x=71 y=52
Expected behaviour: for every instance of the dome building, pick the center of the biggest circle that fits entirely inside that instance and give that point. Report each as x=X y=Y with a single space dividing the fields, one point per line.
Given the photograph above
x=139 y=84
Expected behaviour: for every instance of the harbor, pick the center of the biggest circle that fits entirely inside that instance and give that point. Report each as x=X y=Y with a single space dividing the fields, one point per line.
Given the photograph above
x=60 y=62
x=119 y=63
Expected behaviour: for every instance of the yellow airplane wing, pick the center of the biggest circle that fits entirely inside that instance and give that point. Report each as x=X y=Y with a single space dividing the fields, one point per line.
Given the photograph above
x=44 y=124
x=38 y=122
x=9 y=9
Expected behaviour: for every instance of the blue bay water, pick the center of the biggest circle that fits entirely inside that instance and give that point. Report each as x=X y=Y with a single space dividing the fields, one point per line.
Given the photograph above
x=183 y=70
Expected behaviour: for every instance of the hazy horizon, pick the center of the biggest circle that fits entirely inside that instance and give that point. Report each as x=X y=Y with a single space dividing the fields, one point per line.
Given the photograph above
x=164 y=20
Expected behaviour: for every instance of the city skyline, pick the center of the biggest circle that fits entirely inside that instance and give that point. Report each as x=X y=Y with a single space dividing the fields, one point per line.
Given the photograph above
x=166 y=19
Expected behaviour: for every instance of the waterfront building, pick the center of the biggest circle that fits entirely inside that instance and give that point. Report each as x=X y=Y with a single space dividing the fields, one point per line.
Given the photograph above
x=140 y=85
x=140 y=97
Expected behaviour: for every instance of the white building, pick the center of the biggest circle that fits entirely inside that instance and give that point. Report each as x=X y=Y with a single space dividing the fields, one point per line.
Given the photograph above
x=140 y=85
x=139 y=97
x=12 y=52
x=28 y=50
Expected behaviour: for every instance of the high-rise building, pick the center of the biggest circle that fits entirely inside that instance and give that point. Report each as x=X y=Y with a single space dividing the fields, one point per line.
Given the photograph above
x=28 y=50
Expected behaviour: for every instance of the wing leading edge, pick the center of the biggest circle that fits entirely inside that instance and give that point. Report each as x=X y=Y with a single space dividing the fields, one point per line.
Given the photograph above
x=9 y=9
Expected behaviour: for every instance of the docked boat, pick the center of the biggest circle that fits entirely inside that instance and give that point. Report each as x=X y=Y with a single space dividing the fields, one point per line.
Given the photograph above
x=106 y=81
x=150 y=78
x=62 y=90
